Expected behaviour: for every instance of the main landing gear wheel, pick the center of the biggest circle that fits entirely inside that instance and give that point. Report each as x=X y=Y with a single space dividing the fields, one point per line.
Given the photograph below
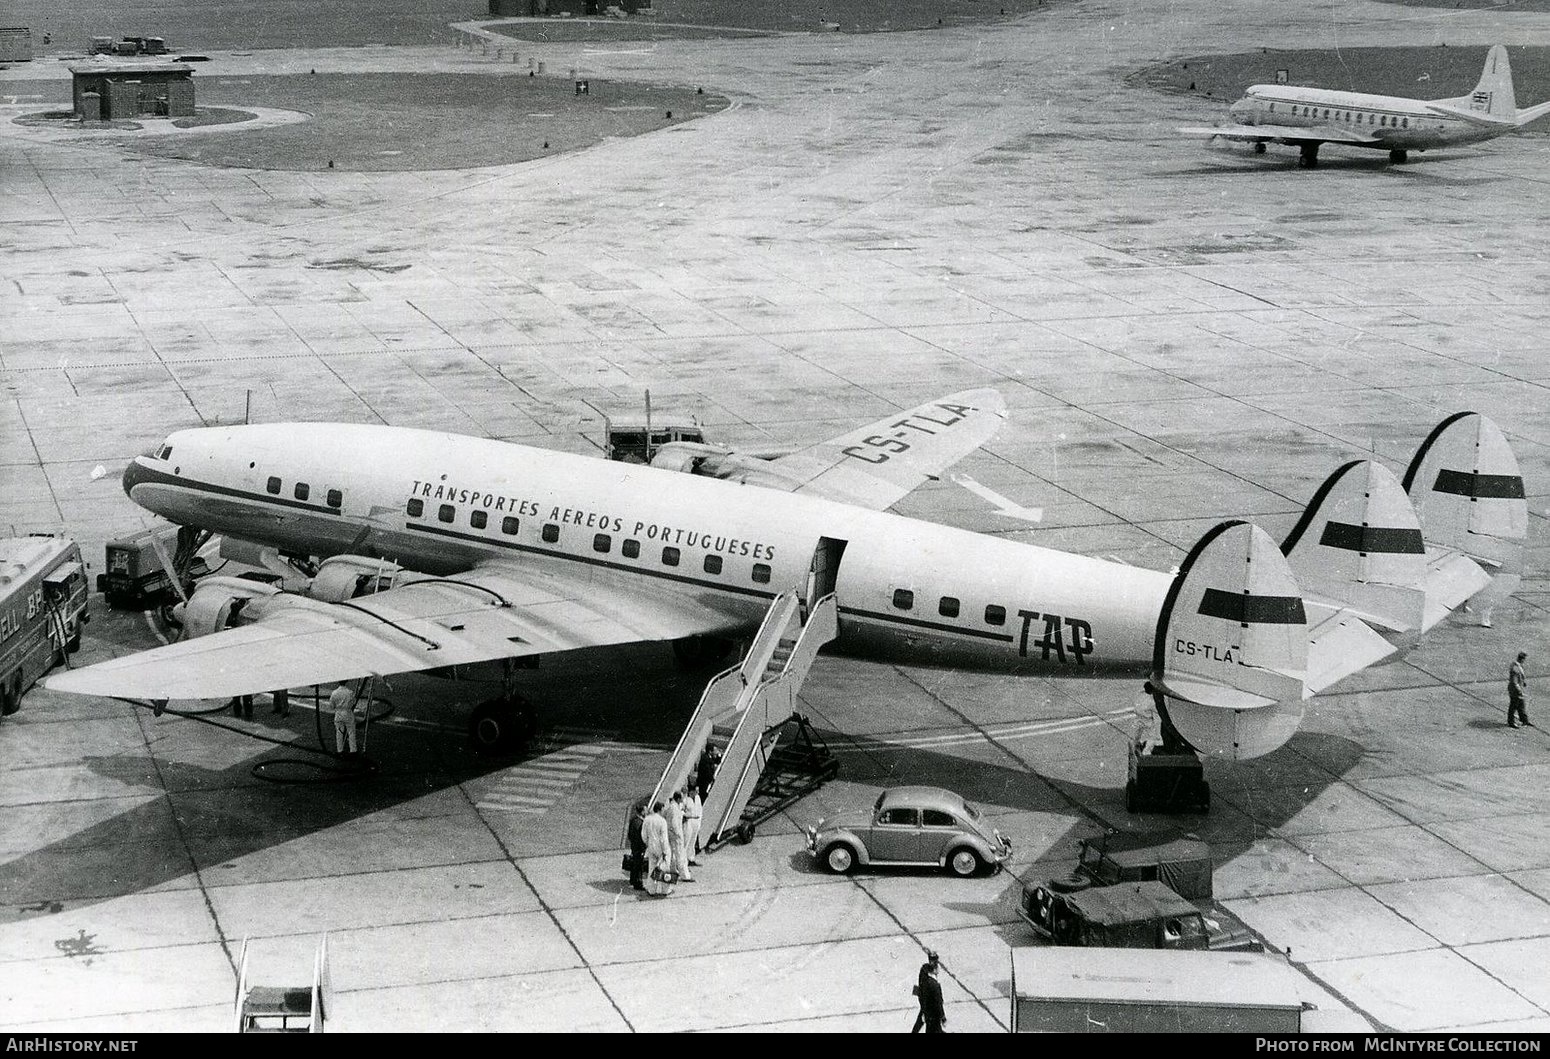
x=964 y=862
x=1308 y=156
x=1399 y=157
x=11 y=696
x=695 y=651
x=839 y=858
x=1259 y=146
x=501 y=726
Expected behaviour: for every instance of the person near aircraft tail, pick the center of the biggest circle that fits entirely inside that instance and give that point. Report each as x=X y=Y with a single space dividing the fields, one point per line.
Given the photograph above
x=1517 y=686
x=638 y=846
x=342 y=702
x=658 y=866
x=281 y=702
x=694 y=810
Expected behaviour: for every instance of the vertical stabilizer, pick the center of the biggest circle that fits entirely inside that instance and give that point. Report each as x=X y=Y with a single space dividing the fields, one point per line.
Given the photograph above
x=1231 y=650
x=1468 y=492
x=1359 y=546
x=1494 y=95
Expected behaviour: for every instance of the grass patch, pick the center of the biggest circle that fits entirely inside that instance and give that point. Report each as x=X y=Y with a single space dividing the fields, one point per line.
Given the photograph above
x=391 y=122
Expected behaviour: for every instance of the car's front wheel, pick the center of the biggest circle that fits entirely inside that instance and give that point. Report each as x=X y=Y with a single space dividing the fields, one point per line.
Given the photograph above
x=839 y=858
x=964 y=862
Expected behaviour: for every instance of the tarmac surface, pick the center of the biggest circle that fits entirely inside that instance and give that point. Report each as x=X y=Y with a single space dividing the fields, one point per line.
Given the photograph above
x=1183 y=334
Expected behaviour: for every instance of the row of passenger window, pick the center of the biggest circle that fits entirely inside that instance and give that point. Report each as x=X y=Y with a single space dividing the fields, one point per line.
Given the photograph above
x=1346 y=115
x=602 y=543
x=334 y=498
x=949 y=606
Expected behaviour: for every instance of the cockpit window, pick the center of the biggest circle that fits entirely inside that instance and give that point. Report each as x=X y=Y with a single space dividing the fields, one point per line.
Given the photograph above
x=165 y=453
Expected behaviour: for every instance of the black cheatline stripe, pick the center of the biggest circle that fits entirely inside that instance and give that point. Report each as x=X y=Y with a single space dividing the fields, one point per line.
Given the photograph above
x=155 y=477
x=1252 y=610
x=1479 y=486
x=1004 y=637
x=1376 y=539
x=516 y=547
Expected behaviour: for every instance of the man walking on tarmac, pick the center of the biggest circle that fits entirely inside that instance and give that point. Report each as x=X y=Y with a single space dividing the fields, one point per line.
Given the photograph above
x=931 y=1016
x=1517 y=684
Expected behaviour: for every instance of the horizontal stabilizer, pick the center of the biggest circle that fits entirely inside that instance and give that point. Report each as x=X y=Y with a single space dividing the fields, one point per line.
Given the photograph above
x=1451 y=580
x=1359 y=547
x=1231 y=650
x=1339 y=644
x=1531 y=114
x=1474 y=117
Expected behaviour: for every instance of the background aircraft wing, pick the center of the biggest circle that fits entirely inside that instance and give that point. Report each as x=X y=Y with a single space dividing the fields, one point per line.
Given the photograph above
x=1283 y=133
x=877 y=465
x=497 y=610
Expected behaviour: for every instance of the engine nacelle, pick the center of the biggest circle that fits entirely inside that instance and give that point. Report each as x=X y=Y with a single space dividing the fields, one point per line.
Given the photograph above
x=343 y=577
x=709 y=461
x=218 y=603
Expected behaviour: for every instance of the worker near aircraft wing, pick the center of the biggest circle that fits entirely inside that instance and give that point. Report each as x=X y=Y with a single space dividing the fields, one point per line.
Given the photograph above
x=341 y=701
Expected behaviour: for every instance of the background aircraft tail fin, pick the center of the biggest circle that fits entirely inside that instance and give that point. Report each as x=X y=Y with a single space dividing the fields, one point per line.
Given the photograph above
x=1494 y=95
x=1231 y=650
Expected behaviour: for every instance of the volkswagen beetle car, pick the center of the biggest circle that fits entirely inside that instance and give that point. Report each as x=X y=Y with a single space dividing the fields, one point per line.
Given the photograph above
x=919 y=826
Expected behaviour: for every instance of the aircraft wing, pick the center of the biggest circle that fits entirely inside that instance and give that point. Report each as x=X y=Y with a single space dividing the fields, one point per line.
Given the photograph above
x=878 y=465
x=1284 y=134
x=499 y=609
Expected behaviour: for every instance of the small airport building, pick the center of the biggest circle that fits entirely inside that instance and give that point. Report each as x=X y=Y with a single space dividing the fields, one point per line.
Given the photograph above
x=116 y=91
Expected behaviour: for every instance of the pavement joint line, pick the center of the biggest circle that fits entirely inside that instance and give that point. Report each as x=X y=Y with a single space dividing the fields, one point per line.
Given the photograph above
x=554 y=919
x=187 y=850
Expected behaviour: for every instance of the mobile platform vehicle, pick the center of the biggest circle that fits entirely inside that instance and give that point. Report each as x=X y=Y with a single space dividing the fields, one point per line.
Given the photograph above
x=42 y=609
x=1182 y=862
x=1135 y=915
x=915 y=826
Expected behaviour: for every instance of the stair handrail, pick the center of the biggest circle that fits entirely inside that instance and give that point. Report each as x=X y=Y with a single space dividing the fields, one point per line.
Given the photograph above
x=695 y=733
x=821 y=626
x=736 y=802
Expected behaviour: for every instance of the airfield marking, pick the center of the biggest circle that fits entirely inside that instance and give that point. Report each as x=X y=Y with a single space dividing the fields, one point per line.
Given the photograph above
x=1018 y=730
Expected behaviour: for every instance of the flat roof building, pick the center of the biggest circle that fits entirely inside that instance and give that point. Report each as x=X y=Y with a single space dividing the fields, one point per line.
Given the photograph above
x=115 y=91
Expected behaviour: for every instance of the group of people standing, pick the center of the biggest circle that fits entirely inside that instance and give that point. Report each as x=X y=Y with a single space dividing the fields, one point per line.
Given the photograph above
x=665 y=840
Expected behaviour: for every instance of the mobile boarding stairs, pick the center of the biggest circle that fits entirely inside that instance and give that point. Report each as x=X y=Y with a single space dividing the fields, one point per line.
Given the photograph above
x=771 y=755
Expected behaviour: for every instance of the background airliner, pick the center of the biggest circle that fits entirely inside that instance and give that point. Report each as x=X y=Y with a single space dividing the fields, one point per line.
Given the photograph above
x=1308 y=117
x=437 y=549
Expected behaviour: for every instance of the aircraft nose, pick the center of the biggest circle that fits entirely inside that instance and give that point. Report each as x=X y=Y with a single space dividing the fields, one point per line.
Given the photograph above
x=134 y=474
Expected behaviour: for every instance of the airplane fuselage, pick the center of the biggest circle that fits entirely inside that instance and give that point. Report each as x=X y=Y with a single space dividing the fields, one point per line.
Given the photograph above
x=1396 y=123
x=908 y=591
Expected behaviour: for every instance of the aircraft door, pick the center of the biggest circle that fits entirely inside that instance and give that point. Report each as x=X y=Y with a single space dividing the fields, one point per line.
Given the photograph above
x=824 y=571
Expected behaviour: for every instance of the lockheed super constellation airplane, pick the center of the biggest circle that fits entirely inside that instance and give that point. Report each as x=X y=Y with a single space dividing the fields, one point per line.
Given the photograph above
x=438 y=549
x=1307 y=117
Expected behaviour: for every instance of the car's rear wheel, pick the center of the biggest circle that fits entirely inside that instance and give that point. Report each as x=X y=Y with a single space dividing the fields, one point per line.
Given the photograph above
x=839 y=858
x=964 y=862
